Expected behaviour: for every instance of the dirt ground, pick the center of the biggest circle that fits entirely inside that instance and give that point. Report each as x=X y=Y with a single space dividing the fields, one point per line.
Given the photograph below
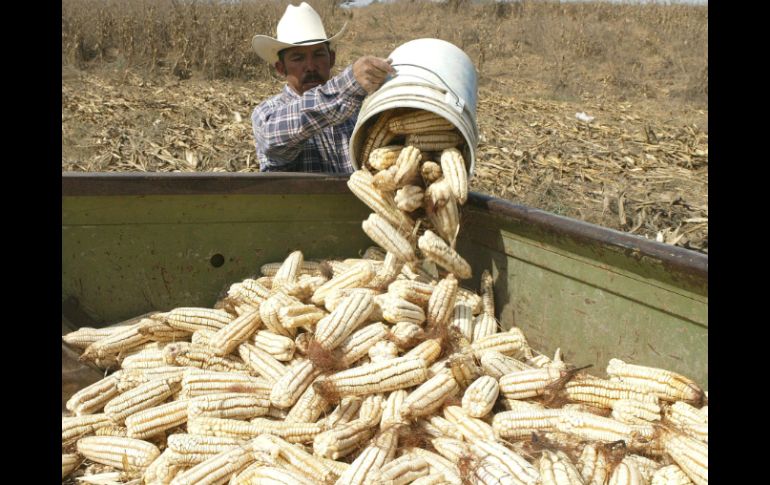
x=639 y=166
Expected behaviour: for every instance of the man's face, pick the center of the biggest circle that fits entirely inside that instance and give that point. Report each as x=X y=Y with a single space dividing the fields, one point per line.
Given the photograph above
x=306 y=67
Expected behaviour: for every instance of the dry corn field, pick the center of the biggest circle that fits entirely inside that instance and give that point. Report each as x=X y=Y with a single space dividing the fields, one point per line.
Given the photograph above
x=170 y=86
x=381 y=369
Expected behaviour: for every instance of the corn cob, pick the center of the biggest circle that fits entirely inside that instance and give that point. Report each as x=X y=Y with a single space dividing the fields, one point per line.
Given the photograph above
x=484 y=325
x=495 y=364
x=248 y=291
x=630 y=410
x=431 y=172
x=229 y=405
x=438 y=464
x=291 y=432
x=356 y=276
x=344 y=412
x=405 y=469
x=384 y=181
x=349 y=314
x=184 y=354
x=142 y=397
x=69 y=462
x=690 y=420
x=118 y=452
x=442 y=301
x=288 y=271
x=387 y=236
x=202 y=338
x=378 y=135
x=434 y=478
x=280 y=347
x=691 y=455
x=303 y=288
x=265 y=281
x=144 y=359
x=308 y=407
x=528 y=383
x=384 y=157
x=406 y=334
x=391 y=410
x=131 y=378
x=191 y=319
x=85 y=336
x=591 y=427
x=218 y=427
x=462 y=319
x=234 y=333
x=391 y=268
x=268 y=313
x=670 y=475
x=470 y=428
x=160 y=331
x=161 y=471
x=418 y=122
x=293 y=383
x=603 y=392
x=92 y=398
x=361 y=184
x=407 y=166
x=435 y=249
x=470 y=298
x=667 y=385
x=557 y=469
x=480 y=397
x=510 y=461
x=463 y=368
x=216 y=469
x=593 y=464
x=156 y=420
x=438 y=427
x=357 y=345
x=627 y=473
x=434 y=141
x=302 y=342
x=488 y=472
x=409 y=198
x=487 y=293
x=113 y=430
x=445 y=219
x=428 y=350
x=262 y=362
x=511 y=343
x=453 y=168
x=120 y=342
x=382 y=351
x=343 y=439
x=390 y=375
x=366 y=467
x=523 y=422
x=312 y=466
x=646 y=466
x=451 y=448
x=192 y=449
x=371 y=408
x=429 y=396
x=415 y=292
x=73 y=428
x=396 y=310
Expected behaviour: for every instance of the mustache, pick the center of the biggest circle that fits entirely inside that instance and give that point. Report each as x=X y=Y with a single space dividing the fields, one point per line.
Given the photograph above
x=312 y=77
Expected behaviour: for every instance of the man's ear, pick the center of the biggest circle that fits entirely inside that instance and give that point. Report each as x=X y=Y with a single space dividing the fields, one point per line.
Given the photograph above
x=280 y=67
x=332 y=58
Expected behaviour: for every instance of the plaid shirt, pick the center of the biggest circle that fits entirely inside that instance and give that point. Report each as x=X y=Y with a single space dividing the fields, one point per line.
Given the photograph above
x=311 y=132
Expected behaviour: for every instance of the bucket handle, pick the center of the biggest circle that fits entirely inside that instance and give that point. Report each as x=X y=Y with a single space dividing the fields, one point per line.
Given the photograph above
x=458 y=105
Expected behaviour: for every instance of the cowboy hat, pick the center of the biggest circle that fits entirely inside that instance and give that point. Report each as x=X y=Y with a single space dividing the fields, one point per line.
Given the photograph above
x=299 y=26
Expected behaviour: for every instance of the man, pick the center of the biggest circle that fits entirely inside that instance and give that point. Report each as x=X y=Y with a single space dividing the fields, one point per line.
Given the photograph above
x=307 y=127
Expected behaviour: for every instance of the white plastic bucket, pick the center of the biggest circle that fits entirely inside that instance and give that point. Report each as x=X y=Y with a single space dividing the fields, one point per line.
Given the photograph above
x=433 y=75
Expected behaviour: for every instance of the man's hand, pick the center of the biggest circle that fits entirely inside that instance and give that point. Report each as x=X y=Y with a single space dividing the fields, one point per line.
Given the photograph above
x=371 y=72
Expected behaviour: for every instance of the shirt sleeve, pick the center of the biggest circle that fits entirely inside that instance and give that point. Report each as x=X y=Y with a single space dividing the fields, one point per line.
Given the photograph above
x=280 y=130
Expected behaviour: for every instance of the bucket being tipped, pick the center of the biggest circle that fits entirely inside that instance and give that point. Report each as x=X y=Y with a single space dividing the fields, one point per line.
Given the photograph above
x=431 y=75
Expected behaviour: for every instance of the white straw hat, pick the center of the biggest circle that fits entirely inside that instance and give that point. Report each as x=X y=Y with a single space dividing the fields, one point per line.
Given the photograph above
x=299 y=26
